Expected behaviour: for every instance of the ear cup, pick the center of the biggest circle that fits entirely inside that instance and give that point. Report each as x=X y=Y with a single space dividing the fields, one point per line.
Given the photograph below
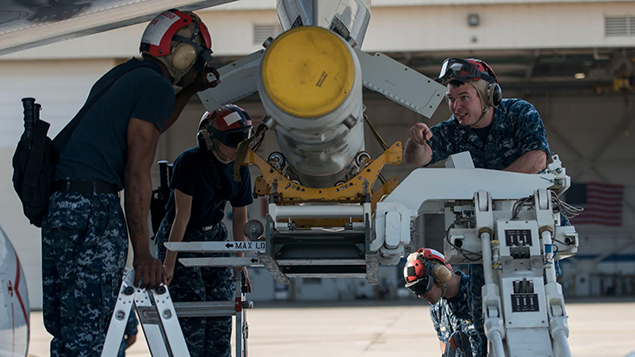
x=184 y=56
x=204 y=139
x=440 y=273
x=494 y=94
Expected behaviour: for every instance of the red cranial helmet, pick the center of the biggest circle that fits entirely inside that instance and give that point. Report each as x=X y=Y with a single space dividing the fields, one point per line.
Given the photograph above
x=478 y=74
x=180 y=40
x=229 y=124
x=464 y=70
x=424 y=268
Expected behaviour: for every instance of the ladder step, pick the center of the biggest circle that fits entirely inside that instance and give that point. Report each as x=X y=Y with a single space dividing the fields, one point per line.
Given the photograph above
x=299 y=262
x=221 y=262
x=326 y=275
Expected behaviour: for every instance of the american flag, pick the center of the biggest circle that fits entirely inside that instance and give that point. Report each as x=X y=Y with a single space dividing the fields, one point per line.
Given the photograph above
x=602 y=203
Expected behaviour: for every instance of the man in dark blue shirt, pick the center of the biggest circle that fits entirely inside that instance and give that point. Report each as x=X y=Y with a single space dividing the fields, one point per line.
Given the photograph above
x=84 y=235
x=202 y=183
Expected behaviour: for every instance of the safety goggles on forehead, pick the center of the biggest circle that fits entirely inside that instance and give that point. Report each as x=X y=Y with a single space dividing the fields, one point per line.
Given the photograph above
x=421 y=286
x=461 y=70
x=233 y=137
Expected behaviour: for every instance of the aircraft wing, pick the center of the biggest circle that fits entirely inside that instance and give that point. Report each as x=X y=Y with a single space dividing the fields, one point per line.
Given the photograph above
x=29 y=23
x=14 y=300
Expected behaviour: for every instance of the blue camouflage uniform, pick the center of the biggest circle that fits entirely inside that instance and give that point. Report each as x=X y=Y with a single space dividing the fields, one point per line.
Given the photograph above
x=515 y=130
x=84 y=236
x=199 y=174
x=456 y=314
x=131 y=330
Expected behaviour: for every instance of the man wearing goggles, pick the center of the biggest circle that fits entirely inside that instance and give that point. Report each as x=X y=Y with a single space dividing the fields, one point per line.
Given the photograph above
x=202 y=182
x=500 y=134
x=450 y=296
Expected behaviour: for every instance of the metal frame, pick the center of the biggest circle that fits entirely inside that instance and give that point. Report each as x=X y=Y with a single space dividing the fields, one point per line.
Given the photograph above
x=158 y=317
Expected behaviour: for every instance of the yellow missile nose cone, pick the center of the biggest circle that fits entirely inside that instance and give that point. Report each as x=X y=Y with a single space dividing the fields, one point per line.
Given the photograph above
x=308 y=71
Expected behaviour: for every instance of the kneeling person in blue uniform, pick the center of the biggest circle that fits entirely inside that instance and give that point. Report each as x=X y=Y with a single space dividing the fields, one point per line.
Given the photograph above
x=129 y=334
x=453 y=299
x=202 y=182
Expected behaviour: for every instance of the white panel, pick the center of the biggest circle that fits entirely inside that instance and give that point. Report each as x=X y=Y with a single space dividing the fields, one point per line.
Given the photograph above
x=397 y=28
x=400 y=84
x=61 y=87
x=271 y=4
x=542 y=25
x=380 y=3
x=62 y=22
x=393 y=230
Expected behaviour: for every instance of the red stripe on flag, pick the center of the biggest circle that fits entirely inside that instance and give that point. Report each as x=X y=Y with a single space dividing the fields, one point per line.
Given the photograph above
x=603 y=205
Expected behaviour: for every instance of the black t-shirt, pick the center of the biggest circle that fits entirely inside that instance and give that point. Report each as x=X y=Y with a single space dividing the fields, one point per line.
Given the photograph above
x=482 y=133
x=199 y=174
x=98 y=148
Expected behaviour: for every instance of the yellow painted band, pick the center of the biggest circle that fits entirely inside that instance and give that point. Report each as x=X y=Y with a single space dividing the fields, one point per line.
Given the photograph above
x=308 y=71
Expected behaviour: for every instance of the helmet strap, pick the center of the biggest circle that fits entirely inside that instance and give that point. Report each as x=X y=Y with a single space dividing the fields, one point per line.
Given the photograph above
x=176 y=74
x=481 y=90
x=217 y=154
x=483 y=115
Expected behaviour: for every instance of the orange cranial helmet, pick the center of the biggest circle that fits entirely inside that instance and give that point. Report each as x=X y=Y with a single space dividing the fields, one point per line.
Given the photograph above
x=229 y=124
x=424 y=268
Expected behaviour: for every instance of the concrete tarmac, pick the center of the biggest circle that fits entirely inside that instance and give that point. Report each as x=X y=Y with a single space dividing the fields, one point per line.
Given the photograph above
x=382 y=329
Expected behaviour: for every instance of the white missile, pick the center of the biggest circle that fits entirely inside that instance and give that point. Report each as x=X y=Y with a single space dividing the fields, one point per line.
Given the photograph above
x=311 y=87
x=310 y=81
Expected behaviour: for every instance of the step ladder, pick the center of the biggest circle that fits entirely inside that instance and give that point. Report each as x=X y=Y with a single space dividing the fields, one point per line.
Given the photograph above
x=157 y=315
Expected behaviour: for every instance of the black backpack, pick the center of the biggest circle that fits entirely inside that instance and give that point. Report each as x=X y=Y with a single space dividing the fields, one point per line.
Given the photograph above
x=36 y=154
x=34 y=164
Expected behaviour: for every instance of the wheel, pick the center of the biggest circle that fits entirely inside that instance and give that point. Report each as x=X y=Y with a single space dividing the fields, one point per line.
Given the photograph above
x=277 y=160
x=254 y=229
x=363 y=159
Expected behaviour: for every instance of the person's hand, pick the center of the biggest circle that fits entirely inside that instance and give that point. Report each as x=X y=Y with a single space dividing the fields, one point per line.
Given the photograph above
x=130 y=340
x=148 y=270
x=237 y=271
x=419 y=133
x=169 y=271
x=201 y=82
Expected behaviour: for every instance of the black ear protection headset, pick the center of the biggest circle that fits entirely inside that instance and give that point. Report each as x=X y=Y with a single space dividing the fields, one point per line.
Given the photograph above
x=494 y=91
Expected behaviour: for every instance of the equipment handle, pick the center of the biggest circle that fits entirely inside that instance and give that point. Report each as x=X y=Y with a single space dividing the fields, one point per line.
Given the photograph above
x=29 y=117
x=170 y=170
x=163 y=174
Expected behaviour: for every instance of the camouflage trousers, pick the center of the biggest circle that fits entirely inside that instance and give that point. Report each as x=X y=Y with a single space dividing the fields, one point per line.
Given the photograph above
x=205 y=336
x=84 y=249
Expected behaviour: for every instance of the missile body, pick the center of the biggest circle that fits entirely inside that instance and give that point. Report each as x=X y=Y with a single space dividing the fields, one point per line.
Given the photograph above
x=310 y=84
